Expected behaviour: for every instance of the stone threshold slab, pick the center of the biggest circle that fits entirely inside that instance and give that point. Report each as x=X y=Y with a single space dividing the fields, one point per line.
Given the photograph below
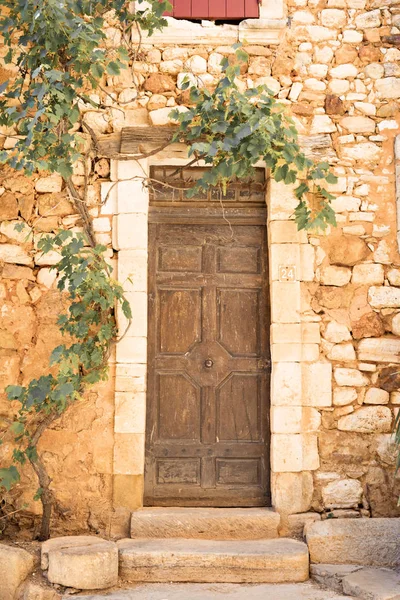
x=190 y=591
x=208 y=561
x=205 y=523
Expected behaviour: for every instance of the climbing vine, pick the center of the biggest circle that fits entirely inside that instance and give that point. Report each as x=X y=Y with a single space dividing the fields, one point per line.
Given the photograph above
x=232 y=130
x=89 y=327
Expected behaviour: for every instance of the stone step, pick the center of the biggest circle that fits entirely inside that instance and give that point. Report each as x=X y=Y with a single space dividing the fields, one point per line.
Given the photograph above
x=206 y=523
x=366 y=583
x=221 y=591
x=368 y=542
x=209 y=561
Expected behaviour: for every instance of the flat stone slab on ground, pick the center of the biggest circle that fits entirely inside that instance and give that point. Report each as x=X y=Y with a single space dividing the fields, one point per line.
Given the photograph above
x=205 y=523
x=199 y=591
x=372 y=542
x=208 y=561
x=373 y=584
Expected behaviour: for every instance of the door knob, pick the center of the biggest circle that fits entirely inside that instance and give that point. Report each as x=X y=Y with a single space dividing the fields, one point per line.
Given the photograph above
x=208 y=363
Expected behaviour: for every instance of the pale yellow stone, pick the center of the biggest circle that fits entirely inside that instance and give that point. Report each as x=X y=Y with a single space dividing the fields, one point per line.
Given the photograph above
x=285 y=302
x=129 y=454
x=299 y=419
x=16 y=565
x=317 y=384
x=286 y=384
x=294 y=452
x=130 y=412
x=292 y=492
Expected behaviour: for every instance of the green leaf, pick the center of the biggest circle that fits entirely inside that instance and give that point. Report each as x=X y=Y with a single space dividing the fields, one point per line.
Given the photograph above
x=9 y=477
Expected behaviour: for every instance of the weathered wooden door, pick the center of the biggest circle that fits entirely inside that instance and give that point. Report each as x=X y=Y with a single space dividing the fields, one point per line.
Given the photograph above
x=207 y=412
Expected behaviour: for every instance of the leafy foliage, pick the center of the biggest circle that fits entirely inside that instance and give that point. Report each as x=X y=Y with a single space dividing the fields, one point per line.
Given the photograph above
x=56 y=50
x=232 y=130
x=89 y=325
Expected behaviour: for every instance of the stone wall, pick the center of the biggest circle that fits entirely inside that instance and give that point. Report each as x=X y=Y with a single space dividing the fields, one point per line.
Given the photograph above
x=333 y=397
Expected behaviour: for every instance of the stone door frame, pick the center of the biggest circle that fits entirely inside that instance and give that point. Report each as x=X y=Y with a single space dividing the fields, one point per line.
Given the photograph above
x=300 y=382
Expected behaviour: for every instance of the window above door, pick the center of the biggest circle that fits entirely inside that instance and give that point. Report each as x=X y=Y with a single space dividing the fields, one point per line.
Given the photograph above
x=227 y=10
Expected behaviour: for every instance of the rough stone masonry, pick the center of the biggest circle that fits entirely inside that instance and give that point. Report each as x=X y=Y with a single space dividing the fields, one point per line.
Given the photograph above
x=335 y=389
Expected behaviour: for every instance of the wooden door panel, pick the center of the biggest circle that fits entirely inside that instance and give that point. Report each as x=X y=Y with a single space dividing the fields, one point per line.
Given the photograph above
x=207 y=424
x=239 y=321
x=239 y=409
x=179 y=408
x=180 y=320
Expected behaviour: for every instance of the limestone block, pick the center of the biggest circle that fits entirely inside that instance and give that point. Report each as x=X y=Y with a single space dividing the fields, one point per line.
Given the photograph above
x=346 y=203
x=294 y=352
x=368 y=274
x=350 y=36
x=339 y=87
x=159 y=83
x=350 y=377
x=214 y=63
x=358 y=124
x=292 y=492
x=317 y=384
x=355 y=541
x=10 y=253
x=387 y=88
x=8 y=207
x=296 y=419
x=344 y=493
x=132 y=349
x=14 y=272
x=16 y=565
x=138 y=327
x=286 y=333
x=294 y=453
x=365 y=151
x=51 y=258
x=348 y=252
x=337 y=276
x=286 y=384
x=130 y=412
x=46 y=277
x=162 y=116
x=205 y=523
x=394 y=277
x=376 y=396
x=366 y=108
x=132 y=270
x=332 y=17
x=396 y=324
x=322 y=124
x=374 y=584
x=55 y=205
x=251 y=561
x=383 y=349
x=344 y=71
x=292 y=526
x=342 y=352
x=282 y=201
x=286 y=232
x=367 y=419
x=369 y=19
x=337 y=332
x=130 y=231
x=285 y=302
x=132 y=197
x=344 y=396
x=50 y=184
x=374 y=71
x=196 y=64
x=11 y=229
x=87 y=563
x=36 y=591
x=317 y=33
x=129 y=454
x=99 y=122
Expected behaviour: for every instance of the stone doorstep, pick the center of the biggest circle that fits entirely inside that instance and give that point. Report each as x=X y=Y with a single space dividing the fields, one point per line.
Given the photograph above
x=194 y=591
x=365 y=542
x=209 y=561
x=360 y=582
x=206 y=523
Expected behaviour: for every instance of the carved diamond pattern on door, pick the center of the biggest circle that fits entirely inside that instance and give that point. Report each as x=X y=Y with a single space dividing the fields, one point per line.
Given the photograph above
x=207 y=413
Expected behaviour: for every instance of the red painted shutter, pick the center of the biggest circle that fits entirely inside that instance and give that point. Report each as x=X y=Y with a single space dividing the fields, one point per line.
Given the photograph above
x=215 y=9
